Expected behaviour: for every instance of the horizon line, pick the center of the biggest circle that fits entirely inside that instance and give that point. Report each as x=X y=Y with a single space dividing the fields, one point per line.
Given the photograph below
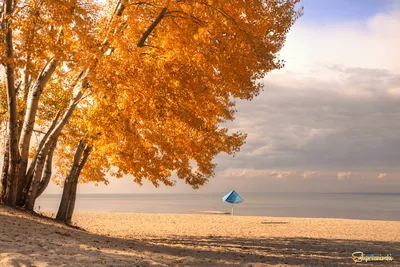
x=223 y=192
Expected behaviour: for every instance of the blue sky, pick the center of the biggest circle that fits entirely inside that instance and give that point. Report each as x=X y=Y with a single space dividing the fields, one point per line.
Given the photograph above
x=328 y=11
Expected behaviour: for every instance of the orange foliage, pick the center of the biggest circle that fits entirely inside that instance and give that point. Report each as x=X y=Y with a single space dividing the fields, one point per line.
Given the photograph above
x=163 y=83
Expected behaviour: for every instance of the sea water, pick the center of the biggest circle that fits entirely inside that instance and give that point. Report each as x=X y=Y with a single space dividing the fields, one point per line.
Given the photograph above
x=371 y=206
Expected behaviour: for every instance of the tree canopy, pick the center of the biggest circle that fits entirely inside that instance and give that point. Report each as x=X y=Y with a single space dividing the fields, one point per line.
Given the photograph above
x=146 y=85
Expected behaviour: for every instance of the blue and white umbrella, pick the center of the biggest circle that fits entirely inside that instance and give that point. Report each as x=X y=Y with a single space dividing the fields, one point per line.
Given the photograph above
x=233 y=198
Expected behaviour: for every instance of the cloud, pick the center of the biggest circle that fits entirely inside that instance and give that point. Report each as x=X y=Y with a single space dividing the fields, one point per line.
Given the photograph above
x=243 y=173
x=334 y=106
x=255 y=173
x=307 y=128
x=345 y=175
x=309 y=174
x=395 y=92
x=382 y=176
x=281 y=174
x=370 y=43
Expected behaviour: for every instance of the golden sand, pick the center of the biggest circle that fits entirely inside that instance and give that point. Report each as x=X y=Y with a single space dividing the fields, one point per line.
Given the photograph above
x=127 y=239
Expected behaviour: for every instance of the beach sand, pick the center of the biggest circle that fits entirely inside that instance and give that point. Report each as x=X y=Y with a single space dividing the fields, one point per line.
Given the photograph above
x=126 y=239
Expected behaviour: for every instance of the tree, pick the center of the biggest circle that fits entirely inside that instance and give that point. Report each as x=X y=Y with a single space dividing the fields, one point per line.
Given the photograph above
x=51 y=36
x=165 y=102
x=143 y=87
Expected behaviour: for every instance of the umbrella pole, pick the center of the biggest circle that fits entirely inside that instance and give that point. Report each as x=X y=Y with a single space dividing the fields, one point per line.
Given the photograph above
x=233 y=208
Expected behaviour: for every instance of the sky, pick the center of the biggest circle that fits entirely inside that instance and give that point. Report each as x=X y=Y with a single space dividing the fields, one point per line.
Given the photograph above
x=327 y=122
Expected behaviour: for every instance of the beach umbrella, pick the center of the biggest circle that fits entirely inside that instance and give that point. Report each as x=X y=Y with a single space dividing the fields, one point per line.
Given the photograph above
x=233 y=198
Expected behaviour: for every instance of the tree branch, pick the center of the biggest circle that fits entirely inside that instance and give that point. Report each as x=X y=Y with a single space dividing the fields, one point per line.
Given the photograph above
x=152 y=27
x=197 y=20
x=221 y=11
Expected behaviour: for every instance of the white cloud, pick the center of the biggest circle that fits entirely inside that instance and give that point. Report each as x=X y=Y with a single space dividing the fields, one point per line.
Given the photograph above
x=371 y=43
x=382 y=176
x=395 y=92
x=281 y=174
x=335 y=104
x=255 y=173
x=243 y=173
x=345 y=175
x=309 y=174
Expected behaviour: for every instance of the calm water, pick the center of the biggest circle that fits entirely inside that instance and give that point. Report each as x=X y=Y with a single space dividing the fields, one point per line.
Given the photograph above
x=353 y=206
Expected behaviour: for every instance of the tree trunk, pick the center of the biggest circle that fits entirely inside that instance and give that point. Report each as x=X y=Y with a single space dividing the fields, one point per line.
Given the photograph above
x=71 y=205
x=42 y=154
x=22 y=111
x=37 y=188
x=70 y=201
x=69 y=189
x=34 y=188
x=12 y=183
x=35 y=184
x=47 y=172
x=30 y=172
x=4 y=171
x=67 y=204
x=29 y=123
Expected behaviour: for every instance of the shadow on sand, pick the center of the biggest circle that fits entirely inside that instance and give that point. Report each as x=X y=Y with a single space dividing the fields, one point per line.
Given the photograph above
x=31 y=241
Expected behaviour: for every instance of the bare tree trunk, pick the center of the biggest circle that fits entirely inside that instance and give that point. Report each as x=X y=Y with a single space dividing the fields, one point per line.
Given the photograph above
x=29 y=122
x=68 y=190
x=71 y=200
x=22 y=111
x=4 y=171
x=67 y=204
x=42 y=155
x=30 y=203
x=30 y=172
x=36 y=180
x=37 y=188
x=26 y=86
x=47 y=172
x=71 y=205
x=12 y=184
x=63 y=208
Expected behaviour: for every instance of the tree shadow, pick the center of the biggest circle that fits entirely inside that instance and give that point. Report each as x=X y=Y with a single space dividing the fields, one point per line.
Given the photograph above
x=33 y=241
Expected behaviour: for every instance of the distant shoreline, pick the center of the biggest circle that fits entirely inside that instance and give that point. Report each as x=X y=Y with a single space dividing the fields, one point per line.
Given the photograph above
x=222 y=193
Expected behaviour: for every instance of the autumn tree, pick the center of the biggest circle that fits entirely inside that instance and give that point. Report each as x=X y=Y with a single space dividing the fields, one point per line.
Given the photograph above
x=41 y=38
x=142 y=88
x=166 y=101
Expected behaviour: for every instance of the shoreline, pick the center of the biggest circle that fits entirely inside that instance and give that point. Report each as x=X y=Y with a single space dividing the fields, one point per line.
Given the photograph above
x=361 y=206
x=130 y=239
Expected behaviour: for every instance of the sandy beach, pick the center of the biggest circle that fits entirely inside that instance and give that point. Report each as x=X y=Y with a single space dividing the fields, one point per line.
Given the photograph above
x=126 y=239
